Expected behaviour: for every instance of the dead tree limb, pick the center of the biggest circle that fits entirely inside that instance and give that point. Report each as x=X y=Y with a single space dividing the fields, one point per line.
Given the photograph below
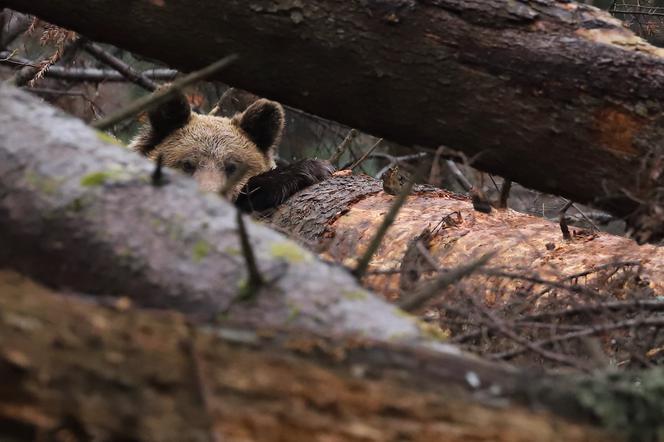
x=93 y=75
x=123 y=68
x=533 y=91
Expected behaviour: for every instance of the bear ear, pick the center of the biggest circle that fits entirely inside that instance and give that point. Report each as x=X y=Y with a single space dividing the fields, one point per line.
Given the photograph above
x=170 y=115
x=163 y=120
x=263 y=122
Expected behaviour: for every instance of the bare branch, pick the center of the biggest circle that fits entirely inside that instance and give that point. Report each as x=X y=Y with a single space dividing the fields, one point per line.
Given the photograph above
x=589 y=331
x=366 y=155
x=92 y=75
x=343 y=146
x=123 y=68
x=161 y=95
x=434 y=287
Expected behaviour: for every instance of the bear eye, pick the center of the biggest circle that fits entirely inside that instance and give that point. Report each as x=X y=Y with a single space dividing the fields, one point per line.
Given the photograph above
x=188 y=166
x=230 y=168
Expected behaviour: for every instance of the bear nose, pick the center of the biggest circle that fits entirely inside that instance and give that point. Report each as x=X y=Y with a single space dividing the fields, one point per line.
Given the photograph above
x=209 y=180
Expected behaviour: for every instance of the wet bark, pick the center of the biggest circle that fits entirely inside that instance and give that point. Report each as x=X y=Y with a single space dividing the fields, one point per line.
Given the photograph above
x=75 y=371
x=554 y=95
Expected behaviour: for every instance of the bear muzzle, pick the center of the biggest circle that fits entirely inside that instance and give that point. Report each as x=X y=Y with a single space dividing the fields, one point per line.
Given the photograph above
x=210 y=180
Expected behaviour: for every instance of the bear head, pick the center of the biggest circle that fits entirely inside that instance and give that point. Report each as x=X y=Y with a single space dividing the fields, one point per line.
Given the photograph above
x=216 y=151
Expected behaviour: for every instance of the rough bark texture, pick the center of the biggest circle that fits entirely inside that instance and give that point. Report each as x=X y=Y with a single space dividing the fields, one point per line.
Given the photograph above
x=77 y=212
x=74 y=371
x=552 y=94
x=343 y=214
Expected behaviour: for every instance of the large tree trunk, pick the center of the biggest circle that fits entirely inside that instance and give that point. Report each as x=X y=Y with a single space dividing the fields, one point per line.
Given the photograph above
x=342 y=215
x=75 y=371
x=555 y=95
x=79 y=213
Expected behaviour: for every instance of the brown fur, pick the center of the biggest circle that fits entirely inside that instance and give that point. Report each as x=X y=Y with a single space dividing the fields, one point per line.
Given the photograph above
x=208 y=147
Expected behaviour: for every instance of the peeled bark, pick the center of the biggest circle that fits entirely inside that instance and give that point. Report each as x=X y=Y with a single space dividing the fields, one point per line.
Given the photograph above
x=74 y=371
x=554 y=95
x=342 y=215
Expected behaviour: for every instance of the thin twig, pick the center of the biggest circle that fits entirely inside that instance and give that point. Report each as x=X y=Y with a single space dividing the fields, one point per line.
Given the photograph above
x=575 y=288
x=123 y=68
x=57 y=92
x=388 y=220
x=162 y=95
x=365 y=156
x=394 y=161
x=434 y=287
x=500 y=326
x=342 y=147
x=48 y=91
x=590 y=221
x=255 y=280
x=493 y=181
x=505 y=193
x=612 y=265
x=589 y=331
x=651 y=305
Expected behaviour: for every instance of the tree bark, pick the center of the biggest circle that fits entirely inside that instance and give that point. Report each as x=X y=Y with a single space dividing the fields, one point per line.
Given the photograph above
x=342 y=215
x=554 y=95
x=74 y=371
x=79 y=213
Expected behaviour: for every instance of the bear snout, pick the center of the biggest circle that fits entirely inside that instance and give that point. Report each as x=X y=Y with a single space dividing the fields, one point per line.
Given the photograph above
x=209 y=180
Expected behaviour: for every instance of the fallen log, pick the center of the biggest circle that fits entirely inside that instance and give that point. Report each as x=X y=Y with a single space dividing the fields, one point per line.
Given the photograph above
x=539 y=291
x=342 y=214
x=79 y=213
x=555 y=95
x=76 y=212
x=72 y=370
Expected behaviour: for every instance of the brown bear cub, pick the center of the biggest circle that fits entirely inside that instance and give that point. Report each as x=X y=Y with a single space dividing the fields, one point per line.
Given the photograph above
x=215 y=149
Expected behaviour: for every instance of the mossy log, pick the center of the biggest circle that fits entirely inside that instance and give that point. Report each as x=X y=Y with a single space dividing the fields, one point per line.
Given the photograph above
x=72 y=370
x=77 y=212
x=555 y=95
